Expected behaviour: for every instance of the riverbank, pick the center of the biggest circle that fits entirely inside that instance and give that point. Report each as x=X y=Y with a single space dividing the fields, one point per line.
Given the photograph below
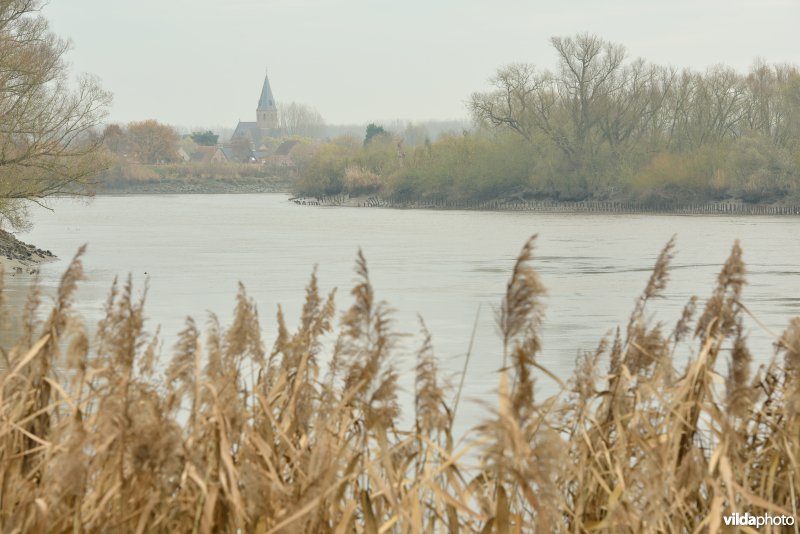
x=183 y=186
x=19 y=257
x=551 y=206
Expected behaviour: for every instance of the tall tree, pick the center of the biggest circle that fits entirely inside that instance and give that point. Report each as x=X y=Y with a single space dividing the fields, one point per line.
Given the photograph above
x=300 y=119
x=152 y=142
x=587 y=67
x=47 y=144
x=115 y=139
x=373 y=131
x=207 y=138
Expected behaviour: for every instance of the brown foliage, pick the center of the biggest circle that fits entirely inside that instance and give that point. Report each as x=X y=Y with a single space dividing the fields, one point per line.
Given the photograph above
x=235 y=439
x=151 y=142
x=48 y=144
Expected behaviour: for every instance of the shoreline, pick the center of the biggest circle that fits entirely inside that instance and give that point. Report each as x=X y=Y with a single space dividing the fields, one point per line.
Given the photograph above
x=18 y=257
x=189 y=180
x=275 y=185
x=173 y=187
x=553 y=206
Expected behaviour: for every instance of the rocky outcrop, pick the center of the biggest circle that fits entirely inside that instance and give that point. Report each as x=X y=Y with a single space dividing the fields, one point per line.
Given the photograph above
x=18 y=257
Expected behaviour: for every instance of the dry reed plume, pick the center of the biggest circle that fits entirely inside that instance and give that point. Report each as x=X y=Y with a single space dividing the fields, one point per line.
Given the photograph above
x=233 y=437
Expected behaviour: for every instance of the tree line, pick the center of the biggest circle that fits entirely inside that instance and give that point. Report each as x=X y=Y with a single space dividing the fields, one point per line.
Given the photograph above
x=147 y=142
x=598 y=125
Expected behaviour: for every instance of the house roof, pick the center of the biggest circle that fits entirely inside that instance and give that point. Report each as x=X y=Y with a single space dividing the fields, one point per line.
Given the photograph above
x=237 y=154
x=286 y=147
x=203 y=153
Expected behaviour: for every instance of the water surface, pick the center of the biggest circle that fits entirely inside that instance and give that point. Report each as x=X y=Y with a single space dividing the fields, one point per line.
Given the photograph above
x=193 y=249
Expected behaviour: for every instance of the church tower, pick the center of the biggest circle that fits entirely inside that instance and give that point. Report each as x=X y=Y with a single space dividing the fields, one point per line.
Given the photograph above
x=267 y=112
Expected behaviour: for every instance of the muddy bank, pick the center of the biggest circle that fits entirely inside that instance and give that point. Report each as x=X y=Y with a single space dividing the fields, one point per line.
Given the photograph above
x=733 y=207
x=19 y=257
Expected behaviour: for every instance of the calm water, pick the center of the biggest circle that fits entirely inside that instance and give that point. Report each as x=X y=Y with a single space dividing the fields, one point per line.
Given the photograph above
x=442 y=265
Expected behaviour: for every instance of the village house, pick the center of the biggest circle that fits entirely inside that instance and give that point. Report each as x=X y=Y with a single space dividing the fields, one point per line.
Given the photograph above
x=252 y=141
x=282 y=157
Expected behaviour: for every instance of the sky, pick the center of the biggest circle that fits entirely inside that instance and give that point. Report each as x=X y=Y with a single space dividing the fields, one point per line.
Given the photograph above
x=196 y=63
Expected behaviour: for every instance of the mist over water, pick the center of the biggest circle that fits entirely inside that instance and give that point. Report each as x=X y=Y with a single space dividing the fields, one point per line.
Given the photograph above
x=191 y=250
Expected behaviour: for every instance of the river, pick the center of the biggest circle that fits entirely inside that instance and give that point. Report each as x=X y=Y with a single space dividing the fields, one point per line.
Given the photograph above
x=442 y=265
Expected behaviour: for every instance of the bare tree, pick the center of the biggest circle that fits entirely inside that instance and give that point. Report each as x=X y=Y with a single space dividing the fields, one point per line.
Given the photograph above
x=566 y=107
x=300 y=119
x=718 y=106
x=588 y=67
x=512 y=102
x=47 y=124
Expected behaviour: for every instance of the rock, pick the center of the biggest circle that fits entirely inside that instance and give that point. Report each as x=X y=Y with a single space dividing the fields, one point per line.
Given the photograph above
x=16 y=252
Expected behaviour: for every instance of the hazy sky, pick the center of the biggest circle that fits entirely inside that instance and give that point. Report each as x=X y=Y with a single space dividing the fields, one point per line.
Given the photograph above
x=202 y=62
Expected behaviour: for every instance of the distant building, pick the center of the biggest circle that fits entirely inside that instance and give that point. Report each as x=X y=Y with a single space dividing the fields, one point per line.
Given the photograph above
x=238 y=154
x=282 y=156
x=205 y=154
x=266 y=123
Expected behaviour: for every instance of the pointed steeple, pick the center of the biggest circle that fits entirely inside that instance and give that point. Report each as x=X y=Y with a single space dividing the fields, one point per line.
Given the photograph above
x=267 y=111
x=266 y=101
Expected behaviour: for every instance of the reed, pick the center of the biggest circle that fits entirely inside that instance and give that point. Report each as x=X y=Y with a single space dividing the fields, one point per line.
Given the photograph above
x=229 y=435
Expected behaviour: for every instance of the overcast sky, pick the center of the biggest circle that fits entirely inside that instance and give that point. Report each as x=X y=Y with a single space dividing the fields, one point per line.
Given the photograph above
x=202 y=62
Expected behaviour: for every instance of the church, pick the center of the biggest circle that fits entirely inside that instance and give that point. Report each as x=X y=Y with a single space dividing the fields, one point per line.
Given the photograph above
x=266 y=123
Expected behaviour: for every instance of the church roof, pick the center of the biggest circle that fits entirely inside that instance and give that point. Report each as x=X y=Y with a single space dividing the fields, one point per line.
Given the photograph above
x=266 y=101
x=254 y=133
x=246 y=128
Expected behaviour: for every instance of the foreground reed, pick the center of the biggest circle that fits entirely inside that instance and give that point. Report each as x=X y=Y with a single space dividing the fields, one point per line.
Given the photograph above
x=230 y=437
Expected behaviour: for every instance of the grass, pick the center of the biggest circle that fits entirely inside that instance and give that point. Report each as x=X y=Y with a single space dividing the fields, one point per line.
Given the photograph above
x=235 y=437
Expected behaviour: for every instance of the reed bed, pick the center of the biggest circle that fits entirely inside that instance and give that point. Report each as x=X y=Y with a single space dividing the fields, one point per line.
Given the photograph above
x=231 y=436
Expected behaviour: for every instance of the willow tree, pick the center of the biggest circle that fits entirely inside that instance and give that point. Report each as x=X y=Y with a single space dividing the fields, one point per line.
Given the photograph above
x=568 y=106
x=598 y=112
x=47 y=121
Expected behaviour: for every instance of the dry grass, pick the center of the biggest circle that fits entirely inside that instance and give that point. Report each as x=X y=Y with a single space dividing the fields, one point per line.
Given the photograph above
x=234 y=437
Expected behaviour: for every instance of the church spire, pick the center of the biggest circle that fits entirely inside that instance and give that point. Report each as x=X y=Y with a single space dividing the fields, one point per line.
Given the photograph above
x=266 y=101
x=267 y=111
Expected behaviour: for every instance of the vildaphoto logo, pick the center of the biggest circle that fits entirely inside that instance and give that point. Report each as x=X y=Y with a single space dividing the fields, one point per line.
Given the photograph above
x=748 y=520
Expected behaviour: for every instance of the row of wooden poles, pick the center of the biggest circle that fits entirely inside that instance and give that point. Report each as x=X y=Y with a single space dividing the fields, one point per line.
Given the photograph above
x=710 y=208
